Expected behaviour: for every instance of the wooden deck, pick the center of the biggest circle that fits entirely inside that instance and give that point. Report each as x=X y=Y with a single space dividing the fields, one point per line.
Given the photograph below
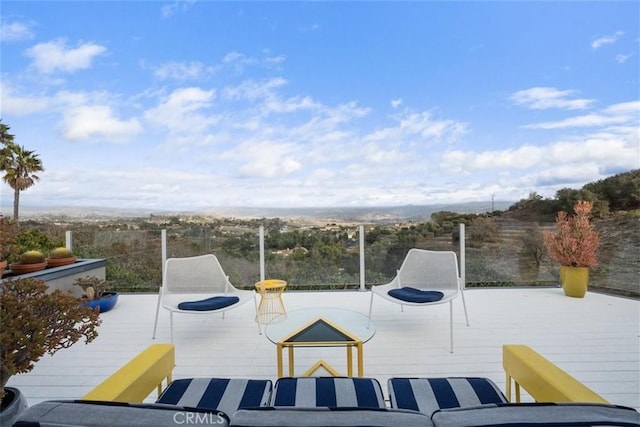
x=595 y=339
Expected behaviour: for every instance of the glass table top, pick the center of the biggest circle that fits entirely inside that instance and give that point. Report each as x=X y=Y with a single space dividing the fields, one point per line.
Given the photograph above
x=353 y=322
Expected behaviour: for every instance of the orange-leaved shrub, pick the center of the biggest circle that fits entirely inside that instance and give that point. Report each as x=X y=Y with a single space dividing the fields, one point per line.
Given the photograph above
x=35 y=322
x=575 y=242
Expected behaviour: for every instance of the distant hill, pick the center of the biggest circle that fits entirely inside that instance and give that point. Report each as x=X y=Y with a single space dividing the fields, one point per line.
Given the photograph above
x=360 y=214
x=382 y=214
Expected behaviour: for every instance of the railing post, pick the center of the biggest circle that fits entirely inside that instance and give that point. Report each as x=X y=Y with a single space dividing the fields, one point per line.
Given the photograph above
x=68 y=240
x=262 y=276
x=163 y=250
x=361 y=232
x=463 y=261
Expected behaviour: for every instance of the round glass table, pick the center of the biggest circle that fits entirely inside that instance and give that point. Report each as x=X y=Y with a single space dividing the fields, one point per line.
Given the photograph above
x=320 y=327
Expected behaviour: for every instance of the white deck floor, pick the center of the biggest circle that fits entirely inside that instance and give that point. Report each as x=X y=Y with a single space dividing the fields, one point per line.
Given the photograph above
x=595 y=339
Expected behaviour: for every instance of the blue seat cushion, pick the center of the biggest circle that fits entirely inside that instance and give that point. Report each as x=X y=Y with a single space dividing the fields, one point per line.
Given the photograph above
x=213 y=303
x=222 y=394
x=409 y=294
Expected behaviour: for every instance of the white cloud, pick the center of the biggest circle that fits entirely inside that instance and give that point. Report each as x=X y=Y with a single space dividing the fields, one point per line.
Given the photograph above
x=613 y=115
x=182 y=71
x=171 y=9
x=56 y=56
x=614 y=147
x=20 y=105
x=629 y=109
x=182 y=111
x=395 y=103
x=239 y=61
x=540 y=98
x=419 y=125
x=274 y=60
x=252 y=90
x=601 y=41
x=621 y=59
x=15 y=31
x=264 y=158
x=97 y=122
x=589 y=120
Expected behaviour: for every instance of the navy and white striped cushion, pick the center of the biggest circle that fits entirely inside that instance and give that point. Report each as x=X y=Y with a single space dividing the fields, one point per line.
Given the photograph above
x=328 y=391
x=223 y=394
x=428 y=395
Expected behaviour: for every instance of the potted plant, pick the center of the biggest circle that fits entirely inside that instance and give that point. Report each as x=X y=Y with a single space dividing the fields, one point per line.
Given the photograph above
x=574 y=244
x=35 y=322
x=96 y=294
x=29 y=262
x=8 y=241
x=61 y=256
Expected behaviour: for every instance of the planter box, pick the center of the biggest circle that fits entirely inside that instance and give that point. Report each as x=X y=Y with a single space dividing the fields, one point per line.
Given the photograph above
x=63 y=277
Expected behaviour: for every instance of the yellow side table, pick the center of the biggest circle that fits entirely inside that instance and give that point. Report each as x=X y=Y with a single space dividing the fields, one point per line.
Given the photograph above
x=271 y=305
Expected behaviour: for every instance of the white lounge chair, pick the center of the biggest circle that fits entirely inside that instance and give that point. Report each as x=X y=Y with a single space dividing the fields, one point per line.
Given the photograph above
x=425 y=278
x=198 y=285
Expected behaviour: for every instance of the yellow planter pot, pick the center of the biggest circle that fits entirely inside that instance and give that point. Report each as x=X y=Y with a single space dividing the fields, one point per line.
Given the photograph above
x=574 y=281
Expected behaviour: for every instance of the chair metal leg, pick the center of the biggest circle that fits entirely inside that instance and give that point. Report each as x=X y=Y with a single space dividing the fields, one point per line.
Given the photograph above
x=451 y=325
x=171 y=324
x=464 y=304
x=370 y=308
x=255 y=306
x=155 y=324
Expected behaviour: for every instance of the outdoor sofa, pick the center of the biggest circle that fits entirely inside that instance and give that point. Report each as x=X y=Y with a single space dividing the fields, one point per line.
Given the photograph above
x=329 y=401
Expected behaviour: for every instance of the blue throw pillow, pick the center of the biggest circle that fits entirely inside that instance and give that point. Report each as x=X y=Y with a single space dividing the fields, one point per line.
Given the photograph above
x=415 y=295
x=213 y=303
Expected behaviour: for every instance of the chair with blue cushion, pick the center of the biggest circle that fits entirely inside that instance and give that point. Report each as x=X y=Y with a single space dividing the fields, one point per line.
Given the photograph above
x=428 y=395
x=425 y=278
x=221 y=394
x=198 y=285
x=331 y=392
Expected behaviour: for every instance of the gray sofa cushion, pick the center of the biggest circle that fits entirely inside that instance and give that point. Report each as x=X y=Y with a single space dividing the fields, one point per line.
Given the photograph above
x=328 y=417
x=538 y=414
x=111 y=414
x=427 y=395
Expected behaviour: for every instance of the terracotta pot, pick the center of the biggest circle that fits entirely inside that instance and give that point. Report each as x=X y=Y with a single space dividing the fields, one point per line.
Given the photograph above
x=3 y=265
x=57 y=262
x=17 y=268
x=575 y=281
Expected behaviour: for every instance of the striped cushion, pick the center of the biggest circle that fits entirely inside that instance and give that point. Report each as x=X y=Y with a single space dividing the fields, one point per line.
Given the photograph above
x=328 y=391
x=427 y=395
x=223 y=394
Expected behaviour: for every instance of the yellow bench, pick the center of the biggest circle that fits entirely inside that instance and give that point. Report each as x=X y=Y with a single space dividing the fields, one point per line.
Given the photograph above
x=543 y=380
x=137 y=379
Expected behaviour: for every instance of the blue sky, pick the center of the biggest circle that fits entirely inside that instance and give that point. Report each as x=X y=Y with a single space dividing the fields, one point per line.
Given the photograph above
x=192 y=105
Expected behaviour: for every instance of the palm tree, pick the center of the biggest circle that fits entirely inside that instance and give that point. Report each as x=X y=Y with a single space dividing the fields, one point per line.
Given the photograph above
x=19 y=165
